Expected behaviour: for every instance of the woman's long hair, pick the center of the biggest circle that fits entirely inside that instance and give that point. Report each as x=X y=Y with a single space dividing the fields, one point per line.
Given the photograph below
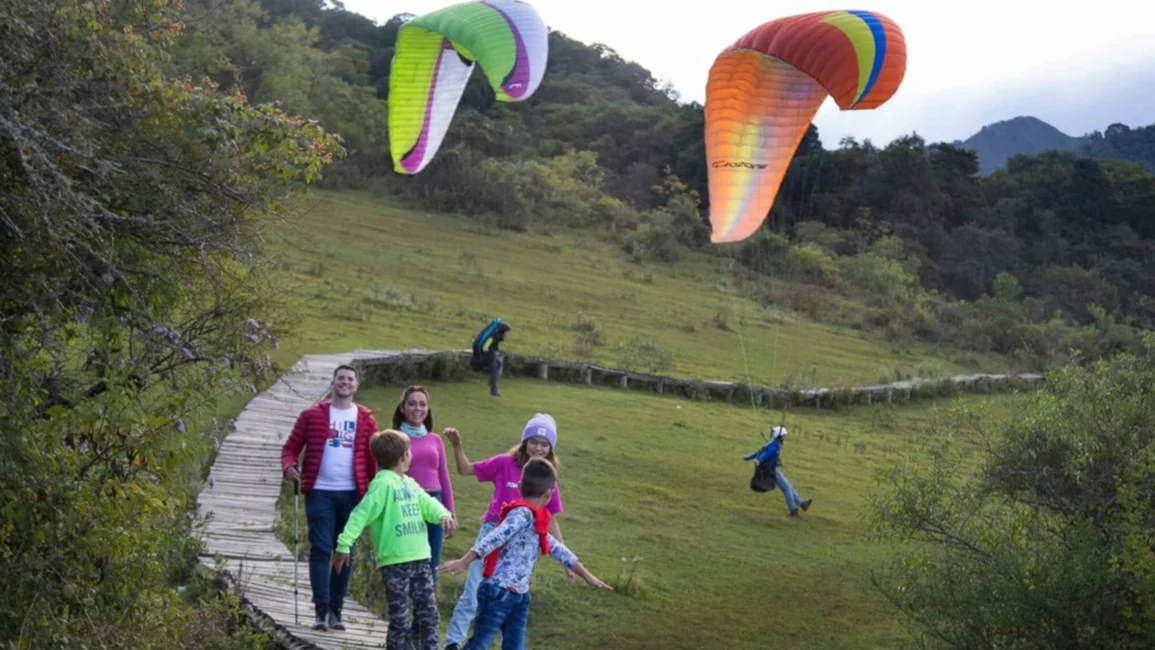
x=399 y=414
x=521 y=456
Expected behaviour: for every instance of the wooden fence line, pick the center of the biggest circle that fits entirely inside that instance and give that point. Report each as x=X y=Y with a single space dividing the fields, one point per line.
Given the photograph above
x=452 y=365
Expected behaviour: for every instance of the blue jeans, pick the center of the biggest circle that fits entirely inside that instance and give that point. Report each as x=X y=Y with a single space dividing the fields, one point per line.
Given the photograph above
x=788 y=491
x=466 y=607
x=327 y=512
x=499 y=609
x=436 y=536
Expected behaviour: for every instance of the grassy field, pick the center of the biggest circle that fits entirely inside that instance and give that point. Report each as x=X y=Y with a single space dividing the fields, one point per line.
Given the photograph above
x=366 y=274
x=661 y=481
x=654 y=488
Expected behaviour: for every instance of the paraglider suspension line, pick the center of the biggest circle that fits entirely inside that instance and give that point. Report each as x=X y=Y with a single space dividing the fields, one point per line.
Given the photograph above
x=742 y=345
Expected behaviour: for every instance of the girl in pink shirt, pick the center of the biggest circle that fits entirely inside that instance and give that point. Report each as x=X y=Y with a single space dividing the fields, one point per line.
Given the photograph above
x=414 y=417
x=538 y=439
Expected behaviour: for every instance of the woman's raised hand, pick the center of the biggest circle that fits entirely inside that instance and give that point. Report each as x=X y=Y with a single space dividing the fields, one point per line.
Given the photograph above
x=453 y=435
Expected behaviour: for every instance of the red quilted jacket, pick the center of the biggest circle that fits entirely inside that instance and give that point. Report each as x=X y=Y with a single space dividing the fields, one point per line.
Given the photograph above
x=312 y=430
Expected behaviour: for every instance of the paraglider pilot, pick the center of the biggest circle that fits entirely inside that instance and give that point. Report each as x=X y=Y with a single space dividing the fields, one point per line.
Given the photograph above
x=491 y=359
x=769 y=473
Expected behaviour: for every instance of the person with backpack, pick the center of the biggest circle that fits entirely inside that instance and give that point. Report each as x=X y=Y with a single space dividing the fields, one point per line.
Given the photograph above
x=769 y=469
x=489 y=359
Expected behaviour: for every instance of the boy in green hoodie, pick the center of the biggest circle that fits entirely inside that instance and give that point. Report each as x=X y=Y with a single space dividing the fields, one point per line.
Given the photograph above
x=396 y=509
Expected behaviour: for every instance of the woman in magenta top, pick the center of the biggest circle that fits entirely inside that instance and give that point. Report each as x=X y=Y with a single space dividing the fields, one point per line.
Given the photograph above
x=414 y=417
x=538 y=439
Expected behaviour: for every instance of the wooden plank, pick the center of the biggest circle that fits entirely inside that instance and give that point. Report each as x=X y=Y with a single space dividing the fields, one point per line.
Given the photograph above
x=276 y=416
x=264 y=435
x=255 y=539
x=242 y=514
x=248 y=518
x=248 y=469
x=249 y=512
x=243 y=552
x=248 y=457
x=237 y=475
x=228 y=527
x=236 y=502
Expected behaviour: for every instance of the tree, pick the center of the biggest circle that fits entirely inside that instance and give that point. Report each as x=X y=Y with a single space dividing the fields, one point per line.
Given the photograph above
x=132 y=207
x=1039 y=533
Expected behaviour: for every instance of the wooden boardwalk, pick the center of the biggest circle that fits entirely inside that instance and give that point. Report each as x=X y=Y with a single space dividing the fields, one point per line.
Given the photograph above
x=245 y=480
x=245 y=483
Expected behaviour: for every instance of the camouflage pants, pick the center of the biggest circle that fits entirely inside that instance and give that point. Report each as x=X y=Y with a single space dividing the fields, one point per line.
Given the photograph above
x=404 y=582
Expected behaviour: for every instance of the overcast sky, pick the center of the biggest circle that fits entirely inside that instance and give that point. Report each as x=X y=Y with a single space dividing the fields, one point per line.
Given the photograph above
x=969 y=63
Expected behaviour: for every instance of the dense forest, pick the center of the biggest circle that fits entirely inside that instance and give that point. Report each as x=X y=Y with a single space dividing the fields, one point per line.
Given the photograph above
x=1051 y=253
x=1122 y=142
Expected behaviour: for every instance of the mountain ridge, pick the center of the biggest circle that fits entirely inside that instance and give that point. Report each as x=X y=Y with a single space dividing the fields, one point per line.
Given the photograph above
x=1023 y=134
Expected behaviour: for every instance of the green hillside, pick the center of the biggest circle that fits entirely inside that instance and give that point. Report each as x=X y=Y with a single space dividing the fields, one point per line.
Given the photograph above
x=364 y=273
x=656 y=478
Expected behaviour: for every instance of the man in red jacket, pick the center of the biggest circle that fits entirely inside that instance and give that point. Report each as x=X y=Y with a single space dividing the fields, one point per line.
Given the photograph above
x=334 y=476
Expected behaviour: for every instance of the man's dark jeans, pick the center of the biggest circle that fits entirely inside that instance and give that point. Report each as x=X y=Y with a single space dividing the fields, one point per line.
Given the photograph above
x=327 y=512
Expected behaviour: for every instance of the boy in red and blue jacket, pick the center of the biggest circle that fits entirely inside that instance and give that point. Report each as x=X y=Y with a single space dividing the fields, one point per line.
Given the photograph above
x=510 y=552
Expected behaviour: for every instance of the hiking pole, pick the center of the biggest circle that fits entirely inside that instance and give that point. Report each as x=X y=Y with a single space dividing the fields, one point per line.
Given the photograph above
x=296 y=548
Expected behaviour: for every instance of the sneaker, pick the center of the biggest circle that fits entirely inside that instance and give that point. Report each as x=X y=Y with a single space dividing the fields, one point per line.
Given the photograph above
x=322 y=622
x=806 y=504
x=794 y=513
x=335 y=620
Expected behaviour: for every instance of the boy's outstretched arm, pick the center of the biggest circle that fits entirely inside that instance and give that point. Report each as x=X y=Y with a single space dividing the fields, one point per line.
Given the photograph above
x=561 y=553
x=454 y=567
x=590 y=578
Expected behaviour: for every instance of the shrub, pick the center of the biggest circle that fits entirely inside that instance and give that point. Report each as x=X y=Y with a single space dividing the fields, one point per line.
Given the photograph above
x=642 y=354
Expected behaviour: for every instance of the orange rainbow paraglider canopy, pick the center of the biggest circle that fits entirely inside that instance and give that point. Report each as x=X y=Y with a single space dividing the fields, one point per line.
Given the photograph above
x=764 y=90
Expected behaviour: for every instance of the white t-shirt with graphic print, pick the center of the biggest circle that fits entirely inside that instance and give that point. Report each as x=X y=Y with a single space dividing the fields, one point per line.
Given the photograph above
x=337 y=462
